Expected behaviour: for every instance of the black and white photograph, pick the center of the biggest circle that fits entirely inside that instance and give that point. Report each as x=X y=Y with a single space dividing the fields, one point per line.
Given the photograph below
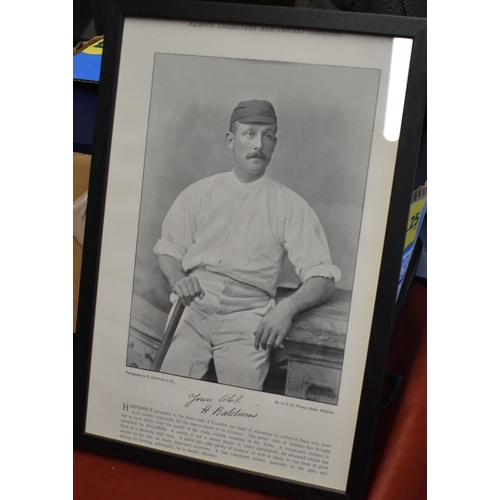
x=253 y=190
x=245 y=199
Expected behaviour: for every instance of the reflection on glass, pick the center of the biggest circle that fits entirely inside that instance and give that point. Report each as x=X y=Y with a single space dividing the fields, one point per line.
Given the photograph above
x=400 y=63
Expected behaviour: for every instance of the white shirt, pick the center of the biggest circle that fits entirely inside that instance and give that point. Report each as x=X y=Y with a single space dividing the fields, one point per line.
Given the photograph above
x=244 y=230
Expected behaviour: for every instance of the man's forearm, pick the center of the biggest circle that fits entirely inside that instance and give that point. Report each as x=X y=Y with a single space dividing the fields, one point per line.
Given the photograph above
x=314 y=292
x=171 y=268
x=185 y=286
x=278 y=321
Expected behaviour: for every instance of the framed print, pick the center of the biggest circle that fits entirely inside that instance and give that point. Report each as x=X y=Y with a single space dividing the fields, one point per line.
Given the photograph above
x=249 y=193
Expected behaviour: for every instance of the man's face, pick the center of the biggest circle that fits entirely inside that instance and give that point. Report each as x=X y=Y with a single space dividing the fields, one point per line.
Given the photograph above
x=253 y=146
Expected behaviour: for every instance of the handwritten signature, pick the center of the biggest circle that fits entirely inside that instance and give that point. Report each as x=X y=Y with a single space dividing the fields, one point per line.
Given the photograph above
x=227 y=398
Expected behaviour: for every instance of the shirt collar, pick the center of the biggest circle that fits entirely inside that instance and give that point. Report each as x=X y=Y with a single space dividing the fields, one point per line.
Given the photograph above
x=250 y=185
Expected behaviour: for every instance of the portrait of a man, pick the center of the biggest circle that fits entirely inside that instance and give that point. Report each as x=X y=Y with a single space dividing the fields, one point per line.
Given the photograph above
x=250 y=188
x=222 y=246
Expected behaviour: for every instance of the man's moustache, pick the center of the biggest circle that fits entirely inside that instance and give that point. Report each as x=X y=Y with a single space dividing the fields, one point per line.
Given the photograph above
x=257 y=154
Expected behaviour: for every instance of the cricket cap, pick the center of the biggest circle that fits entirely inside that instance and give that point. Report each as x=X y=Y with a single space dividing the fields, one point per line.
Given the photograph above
x=253 y=111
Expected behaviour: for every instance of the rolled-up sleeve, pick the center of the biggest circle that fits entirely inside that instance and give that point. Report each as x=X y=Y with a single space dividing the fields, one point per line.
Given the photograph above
x=307 y=247
x=178 y=230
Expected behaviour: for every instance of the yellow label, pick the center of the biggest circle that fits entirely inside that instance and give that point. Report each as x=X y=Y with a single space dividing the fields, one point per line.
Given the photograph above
x=95 y=49
x=414 y=221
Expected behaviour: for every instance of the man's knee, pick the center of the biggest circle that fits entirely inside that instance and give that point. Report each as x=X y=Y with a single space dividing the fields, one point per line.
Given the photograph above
x=248 y=373
x=188 y=356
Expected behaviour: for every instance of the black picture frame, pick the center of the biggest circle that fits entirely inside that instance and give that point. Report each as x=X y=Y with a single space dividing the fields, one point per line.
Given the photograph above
x=386 y=288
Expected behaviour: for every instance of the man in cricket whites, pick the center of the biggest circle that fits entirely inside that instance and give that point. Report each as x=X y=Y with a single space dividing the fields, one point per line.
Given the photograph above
x=222 y=246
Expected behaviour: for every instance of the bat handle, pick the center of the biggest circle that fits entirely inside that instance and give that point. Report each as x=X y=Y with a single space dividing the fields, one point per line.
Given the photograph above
x=167 y=338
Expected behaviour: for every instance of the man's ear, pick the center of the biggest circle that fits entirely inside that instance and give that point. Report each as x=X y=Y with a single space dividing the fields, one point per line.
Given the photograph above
x=230 y=140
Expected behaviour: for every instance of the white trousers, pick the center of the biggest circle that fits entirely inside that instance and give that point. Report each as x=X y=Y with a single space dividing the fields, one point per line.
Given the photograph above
x=221 y=327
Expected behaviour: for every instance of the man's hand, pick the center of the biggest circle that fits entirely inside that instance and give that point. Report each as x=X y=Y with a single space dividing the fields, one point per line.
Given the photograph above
x=274 y=326
x=277 y=322
x=187 y=289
